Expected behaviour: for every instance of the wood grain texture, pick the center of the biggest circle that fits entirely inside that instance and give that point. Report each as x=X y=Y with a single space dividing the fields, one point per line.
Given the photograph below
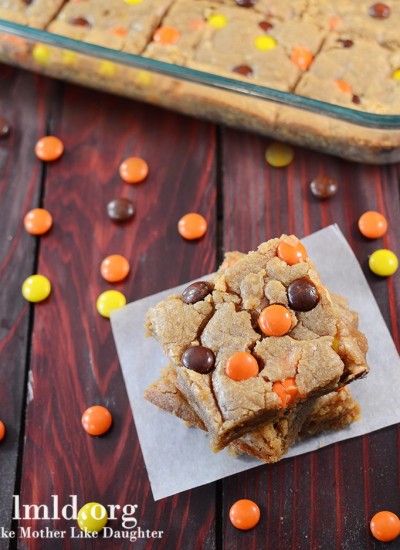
x=20 y=177
x=323 y=500
x=74 y=362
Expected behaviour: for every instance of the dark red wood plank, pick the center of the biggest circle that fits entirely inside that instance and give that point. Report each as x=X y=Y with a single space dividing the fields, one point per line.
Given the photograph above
x=22 y=104
x=322 y=500
x=74 y=362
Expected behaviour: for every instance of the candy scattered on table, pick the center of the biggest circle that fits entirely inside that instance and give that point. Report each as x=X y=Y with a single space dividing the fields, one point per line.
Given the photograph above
x=4 y=127
x=114 y=268
x=2 y=431
x=244 y=514
x=372 y=224
x=302 y=295
x=292 y=252
x=324 y=187
x=275 y=320
x=92 y=517
x=383 y=262
x=38 y=221
x=134 y=170
x=120 y=210
x=385 y=526
x=49 y=148
x=96 y=420
x=279 y=155
x=108 y=301
x=199 y=359
x=192 y=226
x=36 y=288
x=196 y=292
x=241 y=366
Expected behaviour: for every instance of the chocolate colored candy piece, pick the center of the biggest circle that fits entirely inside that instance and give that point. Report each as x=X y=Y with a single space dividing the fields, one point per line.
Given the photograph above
x=244 y=70
x=120 y=210
x=199 y=359
x=196 y=292
x=80 y=22
x=246 y=3
x=346 y=43
x=4 y=127
x=302 y=295
x=265 y=25
x=356 y=99
x=324 y=187
x=379 y=11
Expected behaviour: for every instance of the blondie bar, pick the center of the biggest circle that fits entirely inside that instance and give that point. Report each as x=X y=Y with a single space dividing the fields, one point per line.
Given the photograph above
x=264 y=336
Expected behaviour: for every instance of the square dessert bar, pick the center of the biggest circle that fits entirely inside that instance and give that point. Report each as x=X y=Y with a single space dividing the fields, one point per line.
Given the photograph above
x=34 y=13
x=262 y=337
x=117 y=25
x=272 y=440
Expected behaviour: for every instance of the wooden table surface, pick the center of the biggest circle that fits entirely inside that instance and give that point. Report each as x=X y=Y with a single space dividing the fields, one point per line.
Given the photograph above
x=58 y=357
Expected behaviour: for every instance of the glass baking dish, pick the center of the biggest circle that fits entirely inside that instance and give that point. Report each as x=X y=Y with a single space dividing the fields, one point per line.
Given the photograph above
x=284 y=116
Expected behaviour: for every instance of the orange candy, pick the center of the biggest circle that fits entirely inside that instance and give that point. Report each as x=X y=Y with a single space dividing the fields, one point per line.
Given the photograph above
x=286 y=390
x=244 y=514
x=292 y=252
x=192 y=226
x=96 y=420
x=49 y=148
x=166 y=36
x=275 y=320
x=241 y=366
x=2 y=431
x=38 y=221
x=114 y=268
x=134 y=170
x=302 y=58
x=344 y=87
x=385 y=526
x=119 y=31
x=372 y=224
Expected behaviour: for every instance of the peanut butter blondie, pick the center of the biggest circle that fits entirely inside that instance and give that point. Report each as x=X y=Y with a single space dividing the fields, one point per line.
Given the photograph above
x=33 y=13
x=271 y=441
x=262 y=337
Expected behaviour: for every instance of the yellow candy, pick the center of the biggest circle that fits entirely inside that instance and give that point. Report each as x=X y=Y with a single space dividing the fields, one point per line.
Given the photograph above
x=108 y=301
x=69 y=57
x=133 y=2
x=279 y=155
x=217 y=20
x=107 y=68
x=92 y=517
x=335 y=345
x=36 y=288
x=144 y=78
x=396 y=74
x=265 y=42
x=383 y=262
x=41 y=54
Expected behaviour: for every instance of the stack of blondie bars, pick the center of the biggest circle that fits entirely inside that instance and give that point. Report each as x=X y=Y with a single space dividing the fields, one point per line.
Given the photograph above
x=261 y=354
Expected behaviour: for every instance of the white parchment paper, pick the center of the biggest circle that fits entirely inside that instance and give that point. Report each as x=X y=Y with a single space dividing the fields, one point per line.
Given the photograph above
x=178 y=458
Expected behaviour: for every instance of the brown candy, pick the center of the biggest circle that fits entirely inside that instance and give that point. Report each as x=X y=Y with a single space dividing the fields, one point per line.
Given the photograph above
x=246 y=3
x=199 y=359
x=346 y=43
x=379 y=11
x=324 y=187
x=356 y=99
x=302 y=295
x=244 y=70
x=80 y=22
x=265 y=25
x=120 y=210
x=196 y=292
x=4 y=127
